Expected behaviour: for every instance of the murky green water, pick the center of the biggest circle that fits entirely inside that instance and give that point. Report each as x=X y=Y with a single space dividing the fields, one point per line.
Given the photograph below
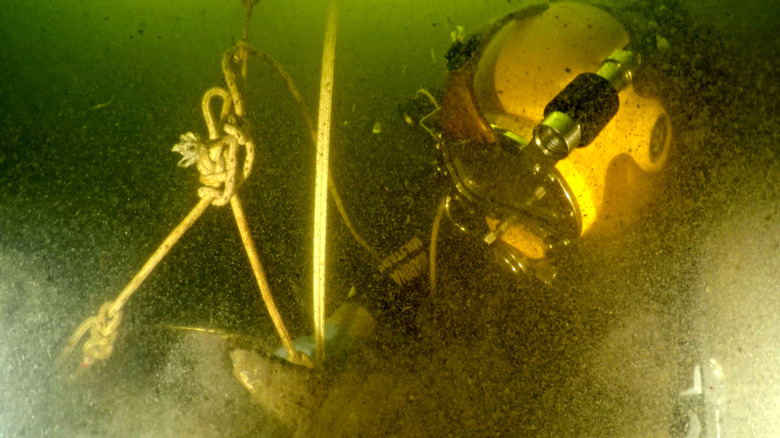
x=94 y=95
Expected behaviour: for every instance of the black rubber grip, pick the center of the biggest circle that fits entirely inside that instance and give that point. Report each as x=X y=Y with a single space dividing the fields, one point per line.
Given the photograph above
x=589 y=100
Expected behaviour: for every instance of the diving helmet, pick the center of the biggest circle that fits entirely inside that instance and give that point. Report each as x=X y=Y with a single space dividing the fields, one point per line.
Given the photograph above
x=542 y=134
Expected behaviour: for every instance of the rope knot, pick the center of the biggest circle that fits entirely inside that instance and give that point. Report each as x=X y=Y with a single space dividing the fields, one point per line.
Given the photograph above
x=217 y=167
x=217 y=159
x=102 y=334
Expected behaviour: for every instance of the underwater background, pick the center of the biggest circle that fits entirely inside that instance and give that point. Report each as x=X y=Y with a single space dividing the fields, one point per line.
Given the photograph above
x=94 y=95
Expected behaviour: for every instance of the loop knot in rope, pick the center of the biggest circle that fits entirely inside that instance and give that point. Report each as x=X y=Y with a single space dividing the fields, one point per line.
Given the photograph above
x=102 y=334
x=217 y=160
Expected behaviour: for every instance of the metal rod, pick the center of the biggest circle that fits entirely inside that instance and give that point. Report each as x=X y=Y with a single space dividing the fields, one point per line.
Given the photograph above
x=321 y=187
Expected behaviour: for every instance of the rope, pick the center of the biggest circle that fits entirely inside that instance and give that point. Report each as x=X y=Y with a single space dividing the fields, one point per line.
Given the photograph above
x=218 y=170
x=249 y=4
x=102 y=327
x=262 y=283
x=348 y=224
x=205 y=107
x=102 y=334
x=434 y=238
x=334 y=193
x=217 y=162
x=235 y=55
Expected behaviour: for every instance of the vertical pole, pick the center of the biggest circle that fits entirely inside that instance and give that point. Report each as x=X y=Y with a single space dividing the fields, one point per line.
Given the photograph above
x=321 y=187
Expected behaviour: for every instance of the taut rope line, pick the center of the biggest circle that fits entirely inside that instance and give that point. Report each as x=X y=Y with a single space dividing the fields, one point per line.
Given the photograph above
x=102 y=327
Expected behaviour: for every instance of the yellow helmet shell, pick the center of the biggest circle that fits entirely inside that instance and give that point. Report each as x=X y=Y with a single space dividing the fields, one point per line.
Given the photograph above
x=526 y=64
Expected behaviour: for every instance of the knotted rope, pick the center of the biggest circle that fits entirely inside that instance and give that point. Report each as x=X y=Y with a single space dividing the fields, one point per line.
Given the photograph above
x=102 y=327
x=217 y=162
